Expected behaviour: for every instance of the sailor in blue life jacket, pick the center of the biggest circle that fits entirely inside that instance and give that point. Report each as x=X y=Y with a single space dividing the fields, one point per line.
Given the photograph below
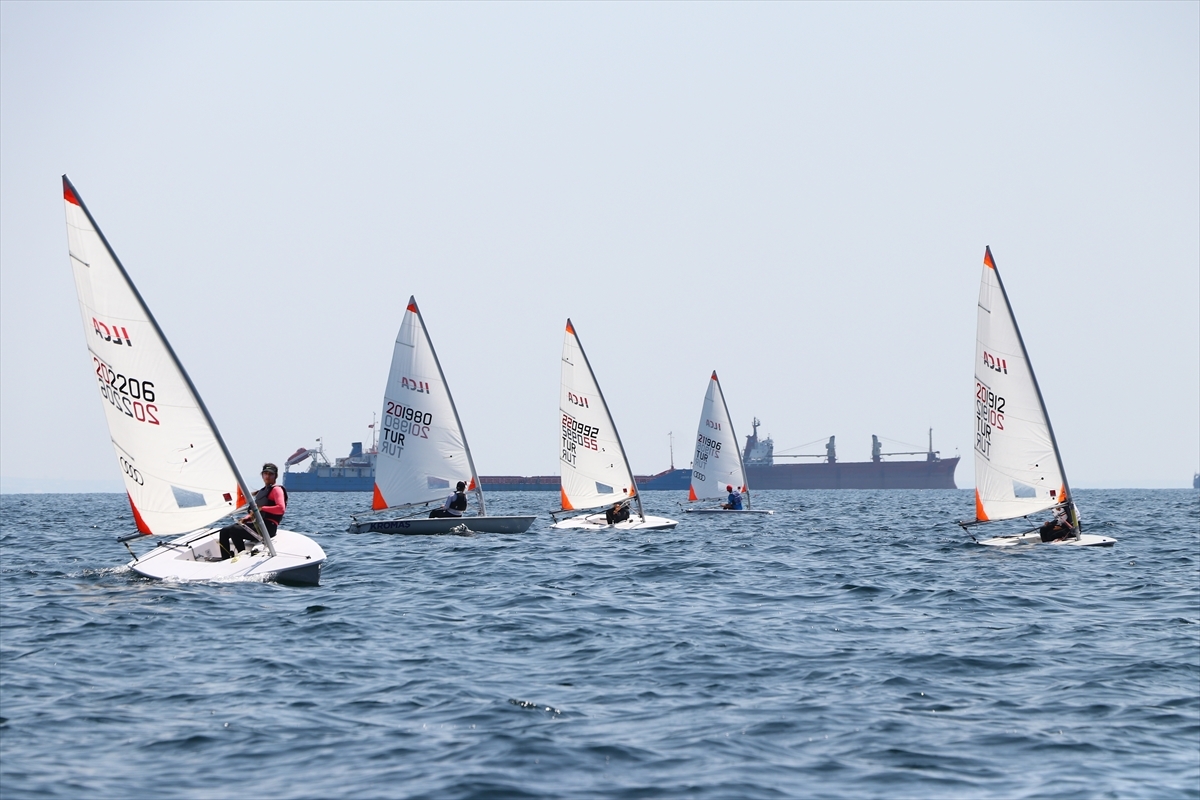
x=734 y=500
x=272 y=503
x=455 y=504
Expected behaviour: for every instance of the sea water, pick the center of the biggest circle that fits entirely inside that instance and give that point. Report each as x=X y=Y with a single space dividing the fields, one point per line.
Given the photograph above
x=854 y=644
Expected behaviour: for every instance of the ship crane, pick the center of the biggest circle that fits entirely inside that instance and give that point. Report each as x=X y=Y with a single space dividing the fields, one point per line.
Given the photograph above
x=930 y=454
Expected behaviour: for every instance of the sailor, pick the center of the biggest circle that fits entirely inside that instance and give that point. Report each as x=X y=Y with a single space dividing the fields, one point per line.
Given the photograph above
x=1059 y=527
x=734 y=500
x=272 y=503
x=618 y=513
x=455 y=504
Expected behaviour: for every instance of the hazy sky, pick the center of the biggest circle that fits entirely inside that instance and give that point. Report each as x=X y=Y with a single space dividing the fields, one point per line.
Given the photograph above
x=795 y=195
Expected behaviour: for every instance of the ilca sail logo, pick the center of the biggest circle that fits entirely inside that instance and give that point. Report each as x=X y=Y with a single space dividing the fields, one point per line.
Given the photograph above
x=111 y=333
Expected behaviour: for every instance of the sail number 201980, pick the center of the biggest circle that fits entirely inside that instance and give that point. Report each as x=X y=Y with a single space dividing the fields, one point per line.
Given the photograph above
x=989 y=416
x=130 y=396
x=399 y=421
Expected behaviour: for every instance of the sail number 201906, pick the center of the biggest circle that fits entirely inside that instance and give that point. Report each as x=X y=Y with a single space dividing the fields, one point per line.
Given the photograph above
x=130 y=396
x=989 y=416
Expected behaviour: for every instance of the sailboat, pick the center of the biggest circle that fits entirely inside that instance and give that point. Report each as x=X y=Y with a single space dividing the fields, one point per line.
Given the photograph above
x=1018 y=466
x=178 y=473
x=592 y=465
x=423 y=452
x=717 y=463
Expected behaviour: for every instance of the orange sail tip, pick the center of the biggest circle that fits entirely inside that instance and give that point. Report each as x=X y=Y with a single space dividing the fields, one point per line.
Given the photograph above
x=566 y=504
x=377 y=501
x=137 y=517
x=241 y=499
x=412 y=305
x=471 y=488
x=980 y=514
x=988 y=261
x=68 y=192
x=692 y=494
x=570 y=327
x=714 y=377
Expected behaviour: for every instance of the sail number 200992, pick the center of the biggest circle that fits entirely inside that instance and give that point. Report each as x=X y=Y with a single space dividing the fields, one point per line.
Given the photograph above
x=989 y=416
x=130 y=396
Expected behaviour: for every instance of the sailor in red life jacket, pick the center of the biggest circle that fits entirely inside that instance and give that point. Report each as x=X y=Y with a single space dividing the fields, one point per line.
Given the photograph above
x=272 y=503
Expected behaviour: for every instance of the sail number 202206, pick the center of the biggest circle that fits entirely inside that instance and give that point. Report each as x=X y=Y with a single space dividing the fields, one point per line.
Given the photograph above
x=130 y=396
x=989 y=416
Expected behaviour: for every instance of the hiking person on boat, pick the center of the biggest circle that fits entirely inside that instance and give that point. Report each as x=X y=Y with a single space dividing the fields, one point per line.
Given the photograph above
x=455 y=504
x=272 y=503
x=734 y=501
x=1059 y=527
x=618 y=513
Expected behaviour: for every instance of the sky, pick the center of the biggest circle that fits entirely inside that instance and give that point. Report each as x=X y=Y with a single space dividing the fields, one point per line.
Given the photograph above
x=797 y=196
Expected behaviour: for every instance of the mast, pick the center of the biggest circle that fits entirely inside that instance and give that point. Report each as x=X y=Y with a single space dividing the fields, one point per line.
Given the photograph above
x=187 y=379
x=412 y=306
x=637 y=495
x=1070 y=500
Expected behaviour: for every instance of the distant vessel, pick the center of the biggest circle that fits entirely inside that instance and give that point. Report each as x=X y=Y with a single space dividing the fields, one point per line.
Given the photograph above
x=356 y=473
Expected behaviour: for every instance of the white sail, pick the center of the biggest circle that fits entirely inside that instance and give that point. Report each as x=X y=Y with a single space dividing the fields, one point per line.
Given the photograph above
x=717 y=462
x=1018 y=469
x=592 y=462
x=177 y=472
x=422 y=448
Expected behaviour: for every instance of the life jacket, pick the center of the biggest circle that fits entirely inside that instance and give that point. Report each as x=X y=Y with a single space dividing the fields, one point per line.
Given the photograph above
x=263 y=496
x=459 y=503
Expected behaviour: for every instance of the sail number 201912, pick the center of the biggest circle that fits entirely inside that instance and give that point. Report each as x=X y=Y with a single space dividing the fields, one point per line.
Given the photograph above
x=132 y=397
x=989 y=416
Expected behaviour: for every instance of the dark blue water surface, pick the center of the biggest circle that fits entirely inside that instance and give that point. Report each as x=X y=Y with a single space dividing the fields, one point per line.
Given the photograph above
x=855 y=644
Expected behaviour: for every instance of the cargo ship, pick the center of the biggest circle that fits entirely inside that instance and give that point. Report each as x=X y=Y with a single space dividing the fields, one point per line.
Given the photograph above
x=356 y=472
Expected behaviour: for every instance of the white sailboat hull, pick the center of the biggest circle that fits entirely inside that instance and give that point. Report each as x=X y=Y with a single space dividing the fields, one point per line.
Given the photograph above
x=441 y=525
x=726 y=511
x=597 y=522
x=1085 y=540
x=298 y=559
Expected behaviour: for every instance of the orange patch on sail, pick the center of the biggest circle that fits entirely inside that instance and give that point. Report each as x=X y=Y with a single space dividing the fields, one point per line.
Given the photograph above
x=241 y=499
x=412 y=305
x=137 y=518
x=692 y=494
x=980 y=514
x=471 y=488
x=566 y=504
x=988 y=261
x=68 y=193
x=377 y=501
x=570 y=328
x=714 y=377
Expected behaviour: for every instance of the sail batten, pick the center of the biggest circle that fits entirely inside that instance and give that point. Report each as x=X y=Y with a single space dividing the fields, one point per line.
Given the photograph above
x=1018 y=466
x=177 y=470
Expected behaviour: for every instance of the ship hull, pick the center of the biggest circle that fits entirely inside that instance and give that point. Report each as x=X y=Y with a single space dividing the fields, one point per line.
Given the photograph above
x=856 y=475
x=842 y=475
